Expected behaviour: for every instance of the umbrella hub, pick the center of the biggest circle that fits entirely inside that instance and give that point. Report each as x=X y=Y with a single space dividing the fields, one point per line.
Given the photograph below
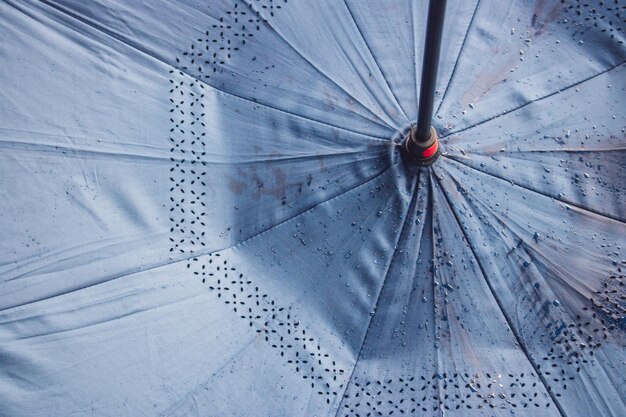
x=420 y=151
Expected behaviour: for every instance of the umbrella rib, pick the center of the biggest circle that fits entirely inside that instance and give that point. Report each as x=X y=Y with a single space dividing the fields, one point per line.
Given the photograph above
x=67 y=151
x=138 y=48
x=194 y=254
x=228 y=93
x=132 y=271
x=304 y=211
x=534 y=252
x=131 y=311
x=203 y=385
x=369 y=323
x=553 y=151
x=415 y=66
x=533 y=101
x=260 y=232
x=369 y=49
x=280 y=35
x=570 y=150
x=499 y=302
x=134 y=157
x=433 y=294
x=527 y=246
x=376 y=153
x=585 y=209
x=458 y=58
x=190 y=255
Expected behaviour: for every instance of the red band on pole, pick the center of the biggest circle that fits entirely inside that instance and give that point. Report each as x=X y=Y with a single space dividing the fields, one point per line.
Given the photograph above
x=430 y=151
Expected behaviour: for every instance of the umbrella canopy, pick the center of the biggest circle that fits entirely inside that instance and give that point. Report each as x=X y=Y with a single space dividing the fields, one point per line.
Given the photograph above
x=205 y=211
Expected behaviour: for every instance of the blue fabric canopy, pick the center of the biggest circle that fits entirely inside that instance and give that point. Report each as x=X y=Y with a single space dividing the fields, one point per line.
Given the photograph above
x=204 y=210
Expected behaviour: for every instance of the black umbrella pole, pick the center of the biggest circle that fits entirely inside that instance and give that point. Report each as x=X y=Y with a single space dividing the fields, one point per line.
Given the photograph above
x=421 y=145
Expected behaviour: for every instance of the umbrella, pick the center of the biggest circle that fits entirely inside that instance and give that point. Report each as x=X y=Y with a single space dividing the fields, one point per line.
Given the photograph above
x=218 y=208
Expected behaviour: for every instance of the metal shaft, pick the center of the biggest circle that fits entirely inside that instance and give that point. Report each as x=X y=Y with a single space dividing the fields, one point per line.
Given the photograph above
x=430 y=64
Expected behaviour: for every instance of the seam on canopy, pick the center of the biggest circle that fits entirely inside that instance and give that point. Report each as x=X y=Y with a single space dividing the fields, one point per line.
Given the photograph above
x=369 y=49
x=588 y=210
x=130 y=157
x=281 y=36
x=499 y=303
x=304 y=211
x=130 y=272
x=415 y=63
x=458 y=58
x=456 y=132
x=438 y=366
x=190 y=255
x=202 y=385
x=531 y=250
x=551 y=151
x=391 y=259
x=162 y=60
x=533 y=253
